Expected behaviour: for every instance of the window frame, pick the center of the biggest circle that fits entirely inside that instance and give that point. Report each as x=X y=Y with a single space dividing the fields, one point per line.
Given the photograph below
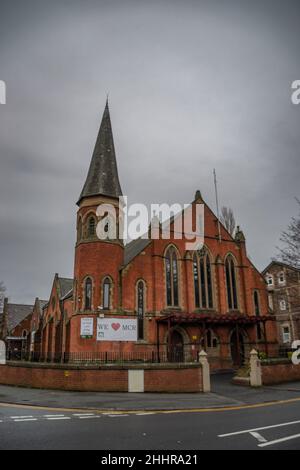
x=172 y=277
x=203 y=280
x=88 y=282
x=106 y=295
x=231 y=283
x=282 y=305
x=91 y=233
x=284 y=340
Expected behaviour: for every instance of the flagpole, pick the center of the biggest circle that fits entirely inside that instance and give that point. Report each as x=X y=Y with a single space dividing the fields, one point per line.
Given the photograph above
x=217 y=205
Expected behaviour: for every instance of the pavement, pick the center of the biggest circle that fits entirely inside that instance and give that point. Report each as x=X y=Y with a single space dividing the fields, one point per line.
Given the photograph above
x=224 y=394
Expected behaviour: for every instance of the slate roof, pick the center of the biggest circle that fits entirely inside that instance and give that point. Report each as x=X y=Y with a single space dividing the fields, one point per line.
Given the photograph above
x=102 y=177
x=68 y=295
x=17 y=313
x=134 y=248
x=65 y=286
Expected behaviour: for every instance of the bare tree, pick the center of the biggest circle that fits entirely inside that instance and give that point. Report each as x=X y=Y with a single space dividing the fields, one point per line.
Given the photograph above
x=290 y=238
x=228 y=219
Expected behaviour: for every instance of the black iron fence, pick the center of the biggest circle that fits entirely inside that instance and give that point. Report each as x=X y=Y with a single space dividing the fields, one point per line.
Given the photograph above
x=285 y=351
x=107 y=357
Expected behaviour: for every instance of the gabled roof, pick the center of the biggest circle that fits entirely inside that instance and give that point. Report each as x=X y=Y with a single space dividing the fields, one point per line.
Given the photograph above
x=65 y=285
x=280 y=263
x=68 y=295
x=134 y=248
x=16 y=313
x=102 y=177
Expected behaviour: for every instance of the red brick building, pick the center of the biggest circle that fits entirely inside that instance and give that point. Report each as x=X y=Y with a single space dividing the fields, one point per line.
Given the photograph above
x=283 y=283
x=178 y=301
x=15 y=328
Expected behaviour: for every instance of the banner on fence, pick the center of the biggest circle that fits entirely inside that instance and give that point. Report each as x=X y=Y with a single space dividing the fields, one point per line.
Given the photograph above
x=116 y=329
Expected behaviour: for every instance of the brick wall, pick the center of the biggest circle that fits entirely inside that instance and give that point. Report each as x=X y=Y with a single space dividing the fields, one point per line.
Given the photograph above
x=173 y=380
x=102 y=379
x=279 y=372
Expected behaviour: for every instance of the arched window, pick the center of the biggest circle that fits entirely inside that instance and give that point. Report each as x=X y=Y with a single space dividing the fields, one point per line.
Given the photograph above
x=256 y=303
x=88 y=294
x=91 y=226
x=203 y=280
x=172 y=277
x=106 y=293
x=140 y=308
x=231 y=283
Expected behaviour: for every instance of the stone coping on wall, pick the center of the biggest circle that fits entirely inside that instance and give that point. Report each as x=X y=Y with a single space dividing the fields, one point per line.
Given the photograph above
x=145 y=366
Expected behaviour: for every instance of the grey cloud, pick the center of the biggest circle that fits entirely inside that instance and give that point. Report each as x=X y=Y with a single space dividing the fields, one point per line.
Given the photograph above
x=193 y=85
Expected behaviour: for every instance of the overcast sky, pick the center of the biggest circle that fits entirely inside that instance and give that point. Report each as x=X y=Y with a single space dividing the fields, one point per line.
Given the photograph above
x=193 y=85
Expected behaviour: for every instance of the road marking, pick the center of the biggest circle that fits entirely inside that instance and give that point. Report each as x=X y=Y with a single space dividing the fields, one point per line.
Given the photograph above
x=53 y=416
x=88 y=417
x=258 y=436
x=19 y=417
x=118 y=416
x=277 y=441
x=24 y=420
x=58 y=418
x=83 y=414
x=247 y=431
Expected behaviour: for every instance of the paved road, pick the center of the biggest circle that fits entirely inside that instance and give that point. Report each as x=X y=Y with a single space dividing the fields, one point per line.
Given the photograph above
x=266 y=427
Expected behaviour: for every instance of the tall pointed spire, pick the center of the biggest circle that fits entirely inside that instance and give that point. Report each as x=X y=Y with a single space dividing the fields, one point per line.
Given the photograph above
x=102 y=178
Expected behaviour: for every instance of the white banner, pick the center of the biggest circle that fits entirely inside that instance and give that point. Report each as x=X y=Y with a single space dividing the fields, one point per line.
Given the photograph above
x=87 y=327
x=116 y=329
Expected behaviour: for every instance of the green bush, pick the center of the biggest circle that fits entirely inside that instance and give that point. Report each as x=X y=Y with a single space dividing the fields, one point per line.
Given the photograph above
x=262 y=356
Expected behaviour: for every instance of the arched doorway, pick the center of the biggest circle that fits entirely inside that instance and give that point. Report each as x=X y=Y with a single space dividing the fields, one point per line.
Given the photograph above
x=237 y=347
x=176 y=349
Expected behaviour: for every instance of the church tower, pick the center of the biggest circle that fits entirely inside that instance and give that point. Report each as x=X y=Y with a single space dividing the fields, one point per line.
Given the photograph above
x=98 y=259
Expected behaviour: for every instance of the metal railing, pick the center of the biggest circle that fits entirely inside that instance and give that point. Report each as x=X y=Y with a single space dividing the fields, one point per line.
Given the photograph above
x=107 y=357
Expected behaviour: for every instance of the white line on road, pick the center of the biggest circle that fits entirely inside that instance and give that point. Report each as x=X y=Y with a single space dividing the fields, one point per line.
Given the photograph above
x=53 y=416
x=258 y=436
x=19 y=417
x=277 y=441
x=117 y=416
x=58 y=418
x=88 y=417
x=246 y=431
x=24 y=420
x=83 y=414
